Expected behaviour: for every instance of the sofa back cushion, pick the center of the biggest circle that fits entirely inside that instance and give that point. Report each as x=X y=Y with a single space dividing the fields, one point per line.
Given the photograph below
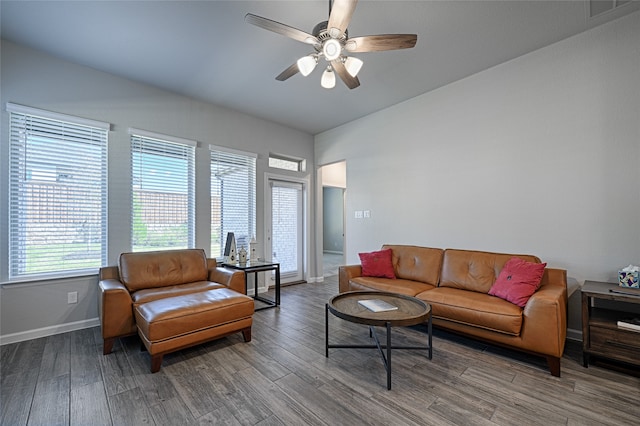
x=162 y=268
x=416 y=263
x=475 y=270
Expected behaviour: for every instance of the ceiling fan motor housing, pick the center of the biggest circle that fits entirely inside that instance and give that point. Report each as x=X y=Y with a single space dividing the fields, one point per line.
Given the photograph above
x=321 y=33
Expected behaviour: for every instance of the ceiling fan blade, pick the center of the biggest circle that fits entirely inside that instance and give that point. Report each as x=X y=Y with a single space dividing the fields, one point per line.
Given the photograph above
x=282 y=29
x=340 y=17
x=289 y=72
x=377 y=43
x=349 y=80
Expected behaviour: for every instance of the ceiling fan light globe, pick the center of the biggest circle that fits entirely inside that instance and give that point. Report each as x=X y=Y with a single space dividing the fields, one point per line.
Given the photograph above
x=331 y=49
x=328 y=80
x=353 y=66
x=306 y=64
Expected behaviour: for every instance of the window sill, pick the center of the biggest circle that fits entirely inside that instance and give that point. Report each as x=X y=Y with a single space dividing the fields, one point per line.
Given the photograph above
x=47 y=279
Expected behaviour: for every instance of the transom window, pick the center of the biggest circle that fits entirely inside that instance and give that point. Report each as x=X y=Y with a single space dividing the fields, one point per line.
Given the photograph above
x=283 y=162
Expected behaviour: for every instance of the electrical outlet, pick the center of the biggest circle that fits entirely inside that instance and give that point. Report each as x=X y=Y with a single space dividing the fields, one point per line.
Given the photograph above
x=367 y=214
x=358 y=214
x=72 y=297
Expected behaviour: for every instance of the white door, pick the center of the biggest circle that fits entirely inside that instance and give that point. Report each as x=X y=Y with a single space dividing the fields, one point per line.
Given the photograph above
x=285 y=230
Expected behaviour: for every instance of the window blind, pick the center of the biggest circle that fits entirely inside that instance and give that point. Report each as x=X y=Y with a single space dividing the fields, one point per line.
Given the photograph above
x=233 y=198
x=163 y=192
x=57 y=193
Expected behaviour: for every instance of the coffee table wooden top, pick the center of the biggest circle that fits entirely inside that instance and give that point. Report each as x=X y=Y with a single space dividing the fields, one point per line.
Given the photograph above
x=411 y=311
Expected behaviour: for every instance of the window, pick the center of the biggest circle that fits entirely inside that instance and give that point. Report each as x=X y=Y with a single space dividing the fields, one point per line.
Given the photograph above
x=233 y=198
x=57 y=193
x=163 y=193
x=283 y=162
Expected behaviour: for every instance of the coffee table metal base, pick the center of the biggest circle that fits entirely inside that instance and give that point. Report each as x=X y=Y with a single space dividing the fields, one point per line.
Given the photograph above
x=385 y=350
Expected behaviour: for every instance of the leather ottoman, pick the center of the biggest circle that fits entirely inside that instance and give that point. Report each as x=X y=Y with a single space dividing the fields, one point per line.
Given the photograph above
x=174 y=323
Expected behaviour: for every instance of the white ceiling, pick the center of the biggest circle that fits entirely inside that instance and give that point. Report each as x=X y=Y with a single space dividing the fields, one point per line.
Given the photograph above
x=205 y=50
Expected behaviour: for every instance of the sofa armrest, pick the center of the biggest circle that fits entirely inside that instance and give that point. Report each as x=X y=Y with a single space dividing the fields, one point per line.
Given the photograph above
x=116 y=310
x=228 y=277
x=545 y=320
x=345 y=274
x=554 y=277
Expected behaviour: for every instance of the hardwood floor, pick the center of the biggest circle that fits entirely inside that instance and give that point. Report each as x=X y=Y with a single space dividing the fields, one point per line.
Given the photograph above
x=283 y=377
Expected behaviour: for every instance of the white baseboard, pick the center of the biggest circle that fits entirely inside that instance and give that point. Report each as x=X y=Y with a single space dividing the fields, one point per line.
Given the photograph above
x=573 y=334
x=315 y=279
x=261 y=289
x=48 y=331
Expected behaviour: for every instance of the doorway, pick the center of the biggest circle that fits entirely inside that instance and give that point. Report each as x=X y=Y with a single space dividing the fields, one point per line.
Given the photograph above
x=332 y=229
x=334 y=183
x=284 y=227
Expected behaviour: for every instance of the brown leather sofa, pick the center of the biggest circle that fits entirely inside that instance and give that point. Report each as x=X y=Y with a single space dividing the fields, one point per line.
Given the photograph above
x=456 y=284
x=173 y=299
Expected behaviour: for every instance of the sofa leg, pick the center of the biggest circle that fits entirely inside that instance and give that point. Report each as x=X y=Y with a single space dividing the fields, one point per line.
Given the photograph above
x=554 y=365
x=246 y=333
x=107 y=345
x=156 y=363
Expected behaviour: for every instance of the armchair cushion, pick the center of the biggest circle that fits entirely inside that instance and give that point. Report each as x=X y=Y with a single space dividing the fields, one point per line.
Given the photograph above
x=145 y=270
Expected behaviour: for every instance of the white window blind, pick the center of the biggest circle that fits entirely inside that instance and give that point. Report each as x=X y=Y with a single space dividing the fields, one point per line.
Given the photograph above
x=163 y=193
x=57 y=194
x=233 y=198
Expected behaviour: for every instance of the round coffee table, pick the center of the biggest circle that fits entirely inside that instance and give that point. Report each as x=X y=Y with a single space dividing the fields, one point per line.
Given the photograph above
x=410 y=311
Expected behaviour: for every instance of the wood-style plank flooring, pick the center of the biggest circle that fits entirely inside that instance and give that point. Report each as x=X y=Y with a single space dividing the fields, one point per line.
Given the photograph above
x=283 y=378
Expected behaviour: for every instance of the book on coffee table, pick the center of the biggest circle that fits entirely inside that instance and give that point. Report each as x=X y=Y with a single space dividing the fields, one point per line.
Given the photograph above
x=377 y=305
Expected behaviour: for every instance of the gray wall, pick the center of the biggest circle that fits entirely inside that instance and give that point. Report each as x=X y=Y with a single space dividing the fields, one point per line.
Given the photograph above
x=539 y=155
x=37 y=80
x=333 y=217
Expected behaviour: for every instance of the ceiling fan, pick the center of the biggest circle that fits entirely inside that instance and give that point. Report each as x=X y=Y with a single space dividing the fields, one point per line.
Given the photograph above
x=330 y=40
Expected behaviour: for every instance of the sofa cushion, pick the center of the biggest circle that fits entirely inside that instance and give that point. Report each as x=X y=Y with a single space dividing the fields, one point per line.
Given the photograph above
x=474 y=309
x=408 y=287
x=149 y=294
x=377 y=264
x=475 y=270
x=162 y=268
x=517 y=281
x=417 y=263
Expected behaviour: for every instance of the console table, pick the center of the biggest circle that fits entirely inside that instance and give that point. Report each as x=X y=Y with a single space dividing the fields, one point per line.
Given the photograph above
x=601 y=335
x=255 y=266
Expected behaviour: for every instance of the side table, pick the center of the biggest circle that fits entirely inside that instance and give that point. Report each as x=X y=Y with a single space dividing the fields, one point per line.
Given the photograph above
x=255 y=266
x=601 y=335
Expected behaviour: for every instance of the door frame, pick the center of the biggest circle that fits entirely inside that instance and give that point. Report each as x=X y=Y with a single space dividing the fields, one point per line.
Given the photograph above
x=306 y=217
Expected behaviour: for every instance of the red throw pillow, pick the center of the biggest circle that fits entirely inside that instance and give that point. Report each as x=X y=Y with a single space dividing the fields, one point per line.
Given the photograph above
x=518 y=280
x=377 y=264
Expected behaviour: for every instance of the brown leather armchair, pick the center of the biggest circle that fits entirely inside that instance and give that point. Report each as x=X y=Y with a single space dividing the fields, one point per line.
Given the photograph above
x=151 y=286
